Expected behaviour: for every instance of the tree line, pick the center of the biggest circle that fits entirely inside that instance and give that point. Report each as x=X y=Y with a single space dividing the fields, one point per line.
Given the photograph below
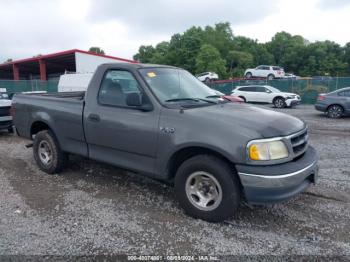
x=217 y=49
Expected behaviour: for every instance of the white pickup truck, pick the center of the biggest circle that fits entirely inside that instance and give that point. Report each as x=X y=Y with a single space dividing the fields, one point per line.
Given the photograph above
x=5 y=115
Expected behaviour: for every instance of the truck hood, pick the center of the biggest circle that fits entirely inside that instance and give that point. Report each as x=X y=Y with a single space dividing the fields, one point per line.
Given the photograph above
x=5 y=103
x=265 y=122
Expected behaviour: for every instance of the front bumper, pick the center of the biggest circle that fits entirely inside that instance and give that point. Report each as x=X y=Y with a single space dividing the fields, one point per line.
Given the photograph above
x=5 y=122
x=293 y=102
x=269 y=184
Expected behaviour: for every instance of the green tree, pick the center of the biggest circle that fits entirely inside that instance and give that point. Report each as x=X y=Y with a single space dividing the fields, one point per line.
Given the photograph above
x=145 y=54
x=97 y=50
x=237 y=53
x=209 y=59
x=239 y=62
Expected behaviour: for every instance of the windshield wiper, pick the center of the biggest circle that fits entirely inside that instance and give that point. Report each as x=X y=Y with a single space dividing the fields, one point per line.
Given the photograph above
x=190 y=99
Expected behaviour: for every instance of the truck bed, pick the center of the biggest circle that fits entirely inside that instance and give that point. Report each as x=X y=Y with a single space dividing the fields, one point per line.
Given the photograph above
x=61 y=112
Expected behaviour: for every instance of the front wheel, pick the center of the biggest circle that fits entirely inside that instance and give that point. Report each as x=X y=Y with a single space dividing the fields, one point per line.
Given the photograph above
x=279 y=102
x=248 y=75
x=335 y=111
x=207 y=188
x=48 y=154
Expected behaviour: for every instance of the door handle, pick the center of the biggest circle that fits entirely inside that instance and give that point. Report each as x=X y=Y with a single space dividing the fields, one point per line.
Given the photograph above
x=94 y=118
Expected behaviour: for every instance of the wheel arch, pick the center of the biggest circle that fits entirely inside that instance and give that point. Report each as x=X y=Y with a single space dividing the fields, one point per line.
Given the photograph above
x=271 y=74
x=181 y=155
x=245 y=100
x=278 y=96
x=335 y=104
x=38 y=126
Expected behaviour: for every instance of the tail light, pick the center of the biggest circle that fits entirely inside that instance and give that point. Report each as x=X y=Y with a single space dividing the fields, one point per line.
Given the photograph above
x=321 y=97
x=13 y=110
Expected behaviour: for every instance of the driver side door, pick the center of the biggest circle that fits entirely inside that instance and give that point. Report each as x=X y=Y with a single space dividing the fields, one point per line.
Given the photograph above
x=263 y=94
x=117 y=133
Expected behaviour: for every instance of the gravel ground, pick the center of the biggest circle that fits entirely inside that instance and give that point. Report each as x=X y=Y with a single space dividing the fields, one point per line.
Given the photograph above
x=93 y=208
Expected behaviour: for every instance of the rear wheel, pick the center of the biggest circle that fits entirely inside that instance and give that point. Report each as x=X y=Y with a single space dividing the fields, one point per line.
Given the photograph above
x=207 y=188
x=47 y=153
x=335 y=111
x=279 y=102
x=248 y=75
x=270 y=77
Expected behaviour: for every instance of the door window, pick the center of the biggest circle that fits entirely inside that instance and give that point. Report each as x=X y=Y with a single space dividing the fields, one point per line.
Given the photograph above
x=260 y=89
x=115 y=87
x=248 y=89
x=344 y=93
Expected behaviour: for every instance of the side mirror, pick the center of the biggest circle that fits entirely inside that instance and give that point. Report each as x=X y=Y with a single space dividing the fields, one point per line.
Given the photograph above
x=135 y=100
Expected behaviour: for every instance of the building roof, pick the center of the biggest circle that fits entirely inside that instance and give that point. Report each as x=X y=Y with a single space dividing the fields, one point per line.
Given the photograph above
x=63 y=54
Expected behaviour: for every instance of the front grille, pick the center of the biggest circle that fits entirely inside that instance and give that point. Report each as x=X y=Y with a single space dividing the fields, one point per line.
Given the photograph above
x=299 y=142
x=5 y=111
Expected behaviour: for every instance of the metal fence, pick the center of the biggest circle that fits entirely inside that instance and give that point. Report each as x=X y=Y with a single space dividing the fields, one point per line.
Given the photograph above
x=307 y=88
x=13 y=87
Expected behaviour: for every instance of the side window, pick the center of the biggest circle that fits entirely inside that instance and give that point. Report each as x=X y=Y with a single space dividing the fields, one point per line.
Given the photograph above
x=260 y=67
x=266 y=68
x=344 y=93
x=248 y=89
x=260 y=89
x=115 y=87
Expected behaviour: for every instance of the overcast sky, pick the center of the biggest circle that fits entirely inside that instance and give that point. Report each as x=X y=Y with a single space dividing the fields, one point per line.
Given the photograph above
x=31 y=27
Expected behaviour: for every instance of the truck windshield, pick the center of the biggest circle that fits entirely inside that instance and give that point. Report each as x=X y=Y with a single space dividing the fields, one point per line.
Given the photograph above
x=172 y=85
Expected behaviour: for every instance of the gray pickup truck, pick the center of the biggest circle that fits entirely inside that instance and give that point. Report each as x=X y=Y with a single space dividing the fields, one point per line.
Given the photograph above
x=162 y=122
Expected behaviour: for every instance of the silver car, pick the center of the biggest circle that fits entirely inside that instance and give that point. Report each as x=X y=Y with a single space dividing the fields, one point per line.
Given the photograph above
x=335 y=104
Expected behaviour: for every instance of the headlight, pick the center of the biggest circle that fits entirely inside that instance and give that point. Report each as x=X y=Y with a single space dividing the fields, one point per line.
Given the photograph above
x=269 y=150
x=290 y=97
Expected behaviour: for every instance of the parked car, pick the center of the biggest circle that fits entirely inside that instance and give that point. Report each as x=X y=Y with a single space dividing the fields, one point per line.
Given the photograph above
x=231 y=98
x=161 y=121
x=5 y=113
x=270 y=72
x=291 y=76
x=266 y=94
x=335 y=104
x=207 y=76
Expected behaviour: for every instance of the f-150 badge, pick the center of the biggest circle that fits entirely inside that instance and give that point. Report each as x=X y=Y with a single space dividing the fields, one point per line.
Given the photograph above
x=168 y=130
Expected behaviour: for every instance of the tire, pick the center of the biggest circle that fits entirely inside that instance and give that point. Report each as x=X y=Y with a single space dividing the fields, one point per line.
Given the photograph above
x=220 y=184
x=335 y=111
x=248 y=75
x=279 y=102
x=245 y=100
x=47 y=153
x=270 y=77
x=207 y=80
x=10 y=130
